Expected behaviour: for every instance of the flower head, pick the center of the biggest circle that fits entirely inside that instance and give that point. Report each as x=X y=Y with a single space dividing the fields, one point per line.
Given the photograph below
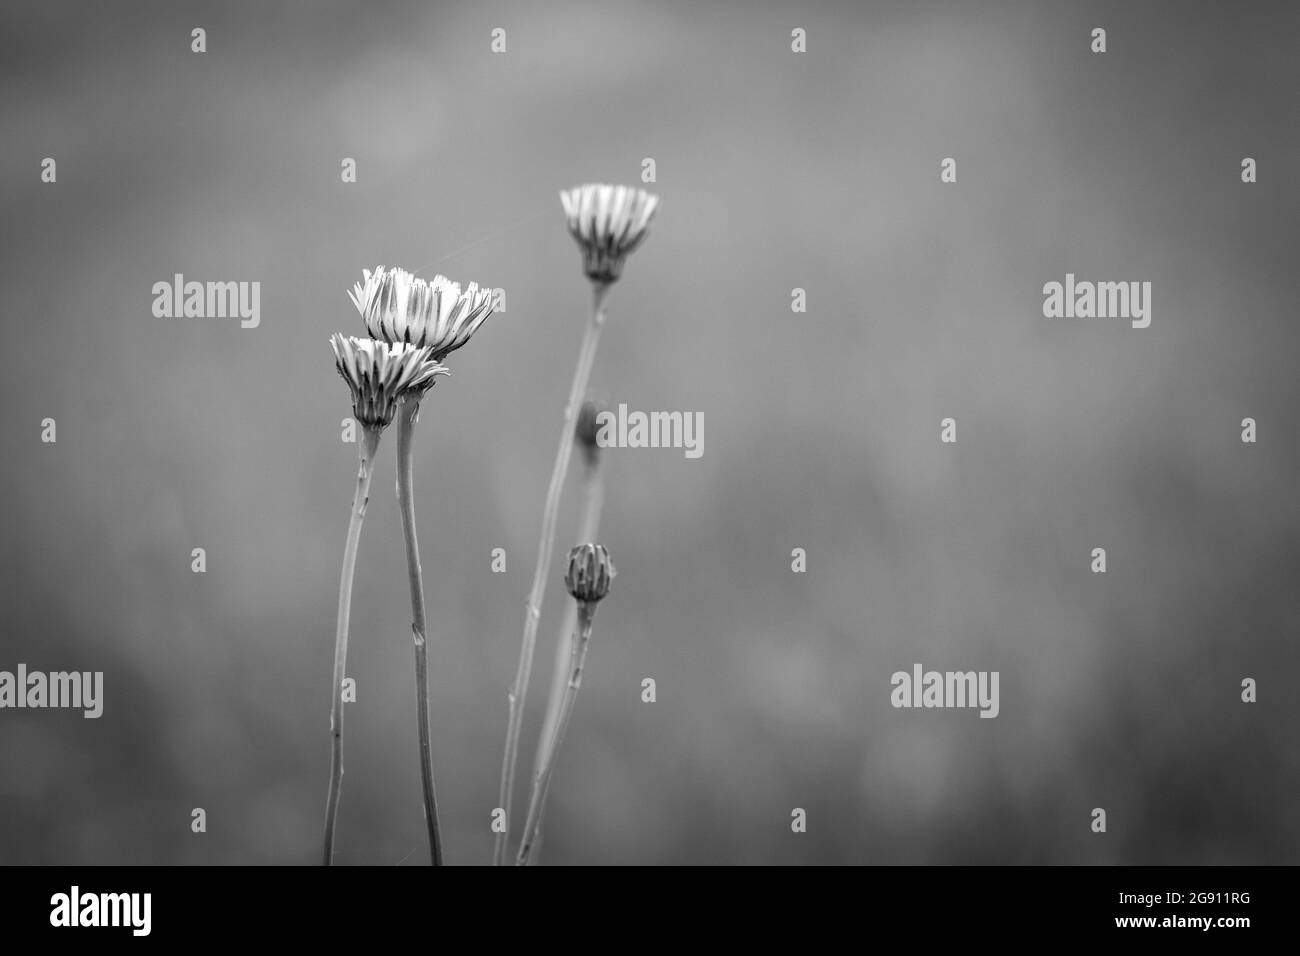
x=379 y=374
x=608 y=223
x=400 y=307
x=590 y=573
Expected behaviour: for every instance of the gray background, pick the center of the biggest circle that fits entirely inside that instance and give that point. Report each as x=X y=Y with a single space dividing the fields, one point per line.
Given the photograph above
x=776 y=171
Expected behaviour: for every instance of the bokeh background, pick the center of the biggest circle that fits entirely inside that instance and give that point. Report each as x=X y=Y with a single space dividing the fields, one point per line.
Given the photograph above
x=777 y=171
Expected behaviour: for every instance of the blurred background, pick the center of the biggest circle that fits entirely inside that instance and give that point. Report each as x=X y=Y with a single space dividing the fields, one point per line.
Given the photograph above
x=818 y=171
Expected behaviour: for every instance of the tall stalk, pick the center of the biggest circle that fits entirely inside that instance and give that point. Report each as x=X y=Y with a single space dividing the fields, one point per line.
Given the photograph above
x=408 y=413
x=593 y=498
x=542 y=783
x=519 y=690
x=367 y=448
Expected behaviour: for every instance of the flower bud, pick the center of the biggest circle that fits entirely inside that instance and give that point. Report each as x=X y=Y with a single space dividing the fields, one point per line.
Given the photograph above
x=590 y=573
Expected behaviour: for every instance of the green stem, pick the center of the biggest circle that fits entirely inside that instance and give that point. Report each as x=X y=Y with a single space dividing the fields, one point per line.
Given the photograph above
x=408 y=413
x=367 y=448
x=519 y=690
x=542 y=784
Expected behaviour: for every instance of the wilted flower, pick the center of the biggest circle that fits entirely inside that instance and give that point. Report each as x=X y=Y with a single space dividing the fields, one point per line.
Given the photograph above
x=608 y=223
x=379 y=374
x=400 y=307
x=590 y=573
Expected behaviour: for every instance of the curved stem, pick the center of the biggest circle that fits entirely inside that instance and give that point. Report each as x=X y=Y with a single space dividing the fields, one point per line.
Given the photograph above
x=519 y=690
x=542 y=785
x=408 y=413
x=367 y=448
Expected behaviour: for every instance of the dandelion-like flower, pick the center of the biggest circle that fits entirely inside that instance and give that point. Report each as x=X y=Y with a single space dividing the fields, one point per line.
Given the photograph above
x=590 y=573
x=608 y=223
x=407 y=315
x=398 y=307
x=379 y=374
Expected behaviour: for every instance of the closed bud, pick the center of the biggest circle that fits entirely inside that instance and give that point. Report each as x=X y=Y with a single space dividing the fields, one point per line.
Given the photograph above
x=590 y=573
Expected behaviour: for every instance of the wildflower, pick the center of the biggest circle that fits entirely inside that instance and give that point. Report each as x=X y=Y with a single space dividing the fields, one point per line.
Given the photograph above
x=436 y=318
x=608 y=223
x=379 y=374
x=399 y=307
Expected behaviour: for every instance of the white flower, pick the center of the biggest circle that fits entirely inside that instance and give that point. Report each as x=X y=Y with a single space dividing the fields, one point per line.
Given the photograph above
x=379 y=374
x=608 y=223
x=400 y=307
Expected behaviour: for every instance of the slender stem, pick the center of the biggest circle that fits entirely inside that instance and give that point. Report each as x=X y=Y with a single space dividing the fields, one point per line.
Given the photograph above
x=593 y=496
x=542 y=785
x=408 y=413
x=368 y=446
x=519 y=690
